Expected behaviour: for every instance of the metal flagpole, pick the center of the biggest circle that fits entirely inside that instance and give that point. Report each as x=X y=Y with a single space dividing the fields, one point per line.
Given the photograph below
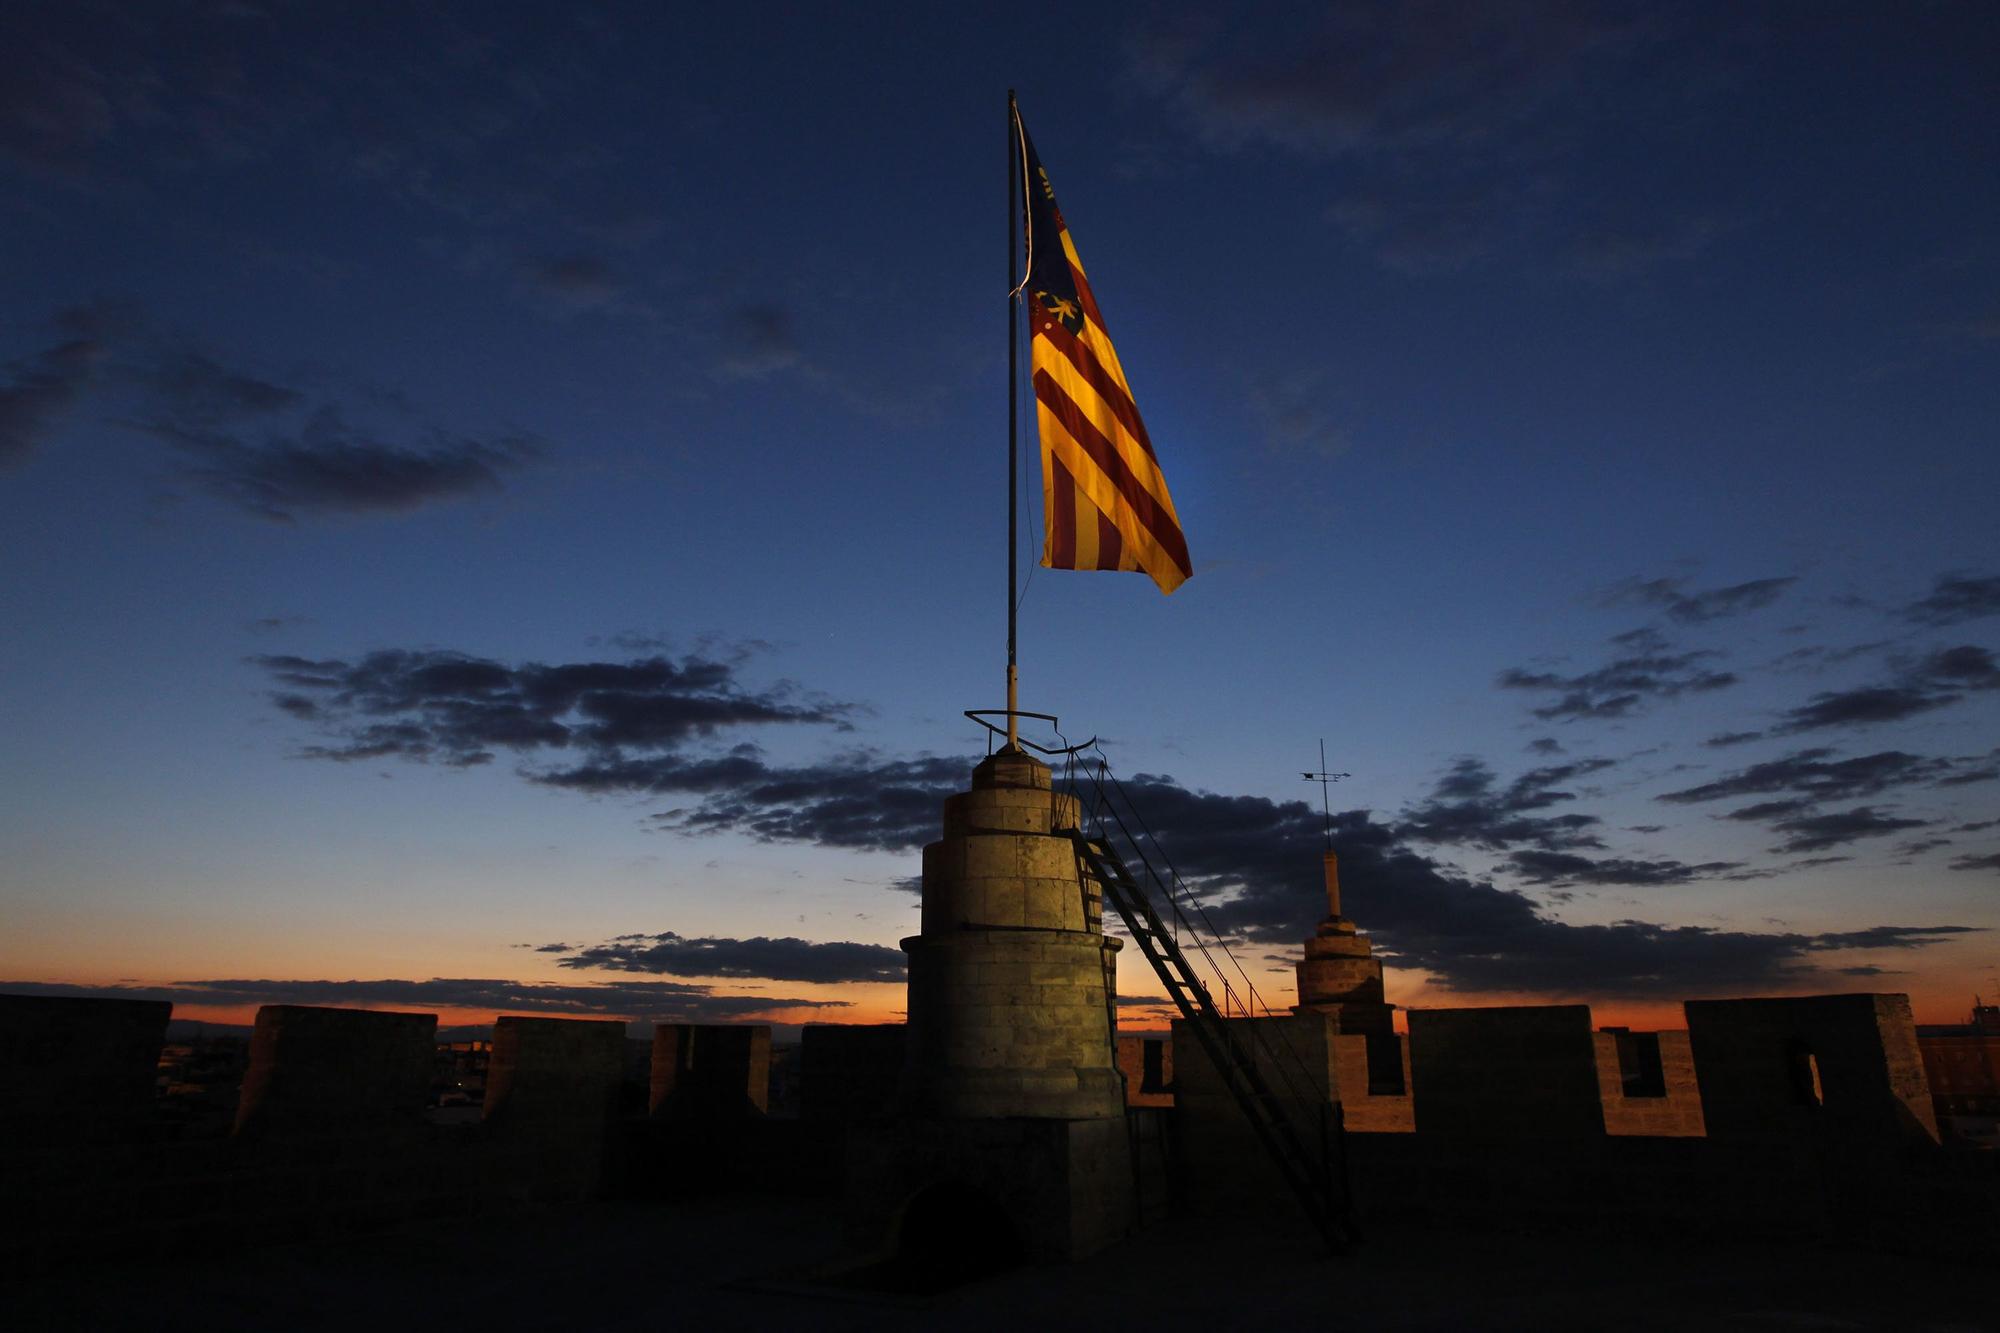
x=1013 y=446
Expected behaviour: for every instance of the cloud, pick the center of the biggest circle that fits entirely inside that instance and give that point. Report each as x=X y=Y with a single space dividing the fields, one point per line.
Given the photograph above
x=573 y=281
x=1256 y=863
x=1966 y=666
x=458 y=709
x=1771 y=810
x=788 y=959
x=861 y=800
x=1622 y=685
x=54 y=109
x=36 y=390
x=1818 y=777
x=1816 y=833
x=1955 y=598
x=1538 y=867
x=631 y=728
x=327 y=466
x=1935 y=681
x=1368 y=79
x=1467 y=807
x=758 y=342
x=1987 y=861
x=1619 y=250
x=1458 y=131
x=1728 y=738
x=1862 y=707
x=1982 y=770
x=643 y=1001
x=197 y=389
x=1295 y=418
x=1694 y=608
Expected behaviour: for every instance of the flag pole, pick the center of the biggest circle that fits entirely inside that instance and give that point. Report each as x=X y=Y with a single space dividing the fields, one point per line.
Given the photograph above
x=1013 y=434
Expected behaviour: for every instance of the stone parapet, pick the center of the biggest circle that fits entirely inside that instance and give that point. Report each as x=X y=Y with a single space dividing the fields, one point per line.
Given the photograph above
x=319 y=1071
x=554 y=1071
x=71 y=1067
x=1843 y=1065
x=1527 y=1071
x=710 y=1071
x=1646 y=1081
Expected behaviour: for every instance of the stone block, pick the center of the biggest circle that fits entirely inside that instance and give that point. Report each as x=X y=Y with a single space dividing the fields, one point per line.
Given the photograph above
x=336 y=1072
x=1646 y=1082
x=994 y=856
x=1525 y=1071
x=1052 y=859
x=562 y=1072
x=710 y=1071
x=1840 y=1065
x=72 y=1066
x=1370 y=1103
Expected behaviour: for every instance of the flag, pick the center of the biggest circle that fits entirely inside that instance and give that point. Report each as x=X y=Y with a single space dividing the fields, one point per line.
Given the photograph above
x=1104 y=501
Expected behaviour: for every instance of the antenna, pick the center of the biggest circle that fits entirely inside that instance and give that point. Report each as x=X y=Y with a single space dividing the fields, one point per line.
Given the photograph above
x=1325 y=780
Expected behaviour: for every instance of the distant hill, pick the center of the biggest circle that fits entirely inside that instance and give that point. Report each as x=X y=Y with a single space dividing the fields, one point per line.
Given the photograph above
x=187 y=1029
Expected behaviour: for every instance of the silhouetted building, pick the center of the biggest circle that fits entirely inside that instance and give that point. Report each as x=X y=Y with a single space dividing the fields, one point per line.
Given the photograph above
x=1962 y=1065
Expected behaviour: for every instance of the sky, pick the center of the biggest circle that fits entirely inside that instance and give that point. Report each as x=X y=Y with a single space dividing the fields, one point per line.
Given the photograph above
x=503 y=503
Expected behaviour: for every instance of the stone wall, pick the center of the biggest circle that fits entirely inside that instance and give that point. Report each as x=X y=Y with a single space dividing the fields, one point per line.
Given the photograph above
x=1366 y=1103
x=710 y=1071
x=74 y=1067
x=1963 y=1070
x=1505 y=1072
x=1219 y=1160
x=317 y=1071
x=1146 y=1062
x=1845 y=1065
x=1646 y=1081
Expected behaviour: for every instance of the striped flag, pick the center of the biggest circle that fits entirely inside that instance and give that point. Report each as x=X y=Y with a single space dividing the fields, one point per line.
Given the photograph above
x=1104 y=502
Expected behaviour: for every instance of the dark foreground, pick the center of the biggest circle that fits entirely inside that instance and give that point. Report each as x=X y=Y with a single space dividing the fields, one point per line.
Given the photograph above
x=757 y=1263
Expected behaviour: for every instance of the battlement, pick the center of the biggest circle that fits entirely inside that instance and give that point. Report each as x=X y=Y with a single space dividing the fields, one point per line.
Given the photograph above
x=331 y=1129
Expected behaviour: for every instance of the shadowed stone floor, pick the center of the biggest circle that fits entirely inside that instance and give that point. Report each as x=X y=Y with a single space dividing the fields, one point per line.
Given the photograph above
x=746 y=1263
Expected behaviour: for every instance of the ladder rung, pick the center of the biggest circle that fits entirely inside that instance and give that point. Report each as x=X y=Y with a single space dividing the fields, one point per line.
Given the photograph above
x=1238 y=1067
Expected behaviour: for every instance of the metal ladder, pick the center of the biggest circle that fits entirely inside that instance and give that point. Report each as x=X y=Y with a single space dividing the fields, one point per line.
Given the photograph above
x=1311 y=1176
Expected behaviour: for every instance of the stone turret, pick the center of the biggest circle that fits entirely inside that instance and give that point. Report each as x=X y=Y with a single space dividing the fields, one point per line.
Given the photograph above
x=1340 y=974
x=1010 y=1137
x=1012 y=979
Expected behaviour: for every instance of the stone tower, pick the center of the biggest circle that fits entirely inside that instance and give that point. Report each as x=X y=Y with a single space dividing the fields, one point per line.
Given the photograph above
x=1011 y=1104
x=1012 y=980
x=1340 y=974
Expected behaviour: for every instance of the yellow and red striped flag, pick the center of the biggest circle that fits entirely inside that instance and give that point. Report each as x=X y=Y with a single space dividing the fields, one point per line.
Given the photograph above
x=1104 y=501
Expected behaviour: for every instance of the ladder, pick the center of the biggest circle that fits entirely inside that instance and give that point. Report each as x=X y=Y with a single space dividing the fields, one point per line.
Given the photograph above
x=1309 y=1174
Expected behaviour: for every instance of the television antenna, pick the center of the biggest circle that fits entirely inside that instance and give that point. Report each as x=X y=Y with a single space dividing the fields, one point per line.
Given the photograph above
x=1325 y=781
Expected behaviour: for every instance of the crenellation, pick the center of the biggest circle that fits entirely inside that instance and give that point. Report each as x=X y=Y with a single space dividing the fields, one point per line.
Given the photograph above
x=73 y=1067
x=324 y=1072
x=1818 y=1065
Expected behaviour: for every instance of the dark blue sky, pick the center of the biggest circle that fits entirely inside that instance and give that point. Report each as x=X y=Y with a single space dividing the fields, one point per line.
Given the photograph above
x=1547 y=391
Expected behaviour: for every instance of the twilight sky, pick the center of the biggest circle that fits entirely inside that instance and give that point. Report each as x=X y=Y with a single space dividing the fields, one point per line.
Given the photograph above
x=503 y=503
